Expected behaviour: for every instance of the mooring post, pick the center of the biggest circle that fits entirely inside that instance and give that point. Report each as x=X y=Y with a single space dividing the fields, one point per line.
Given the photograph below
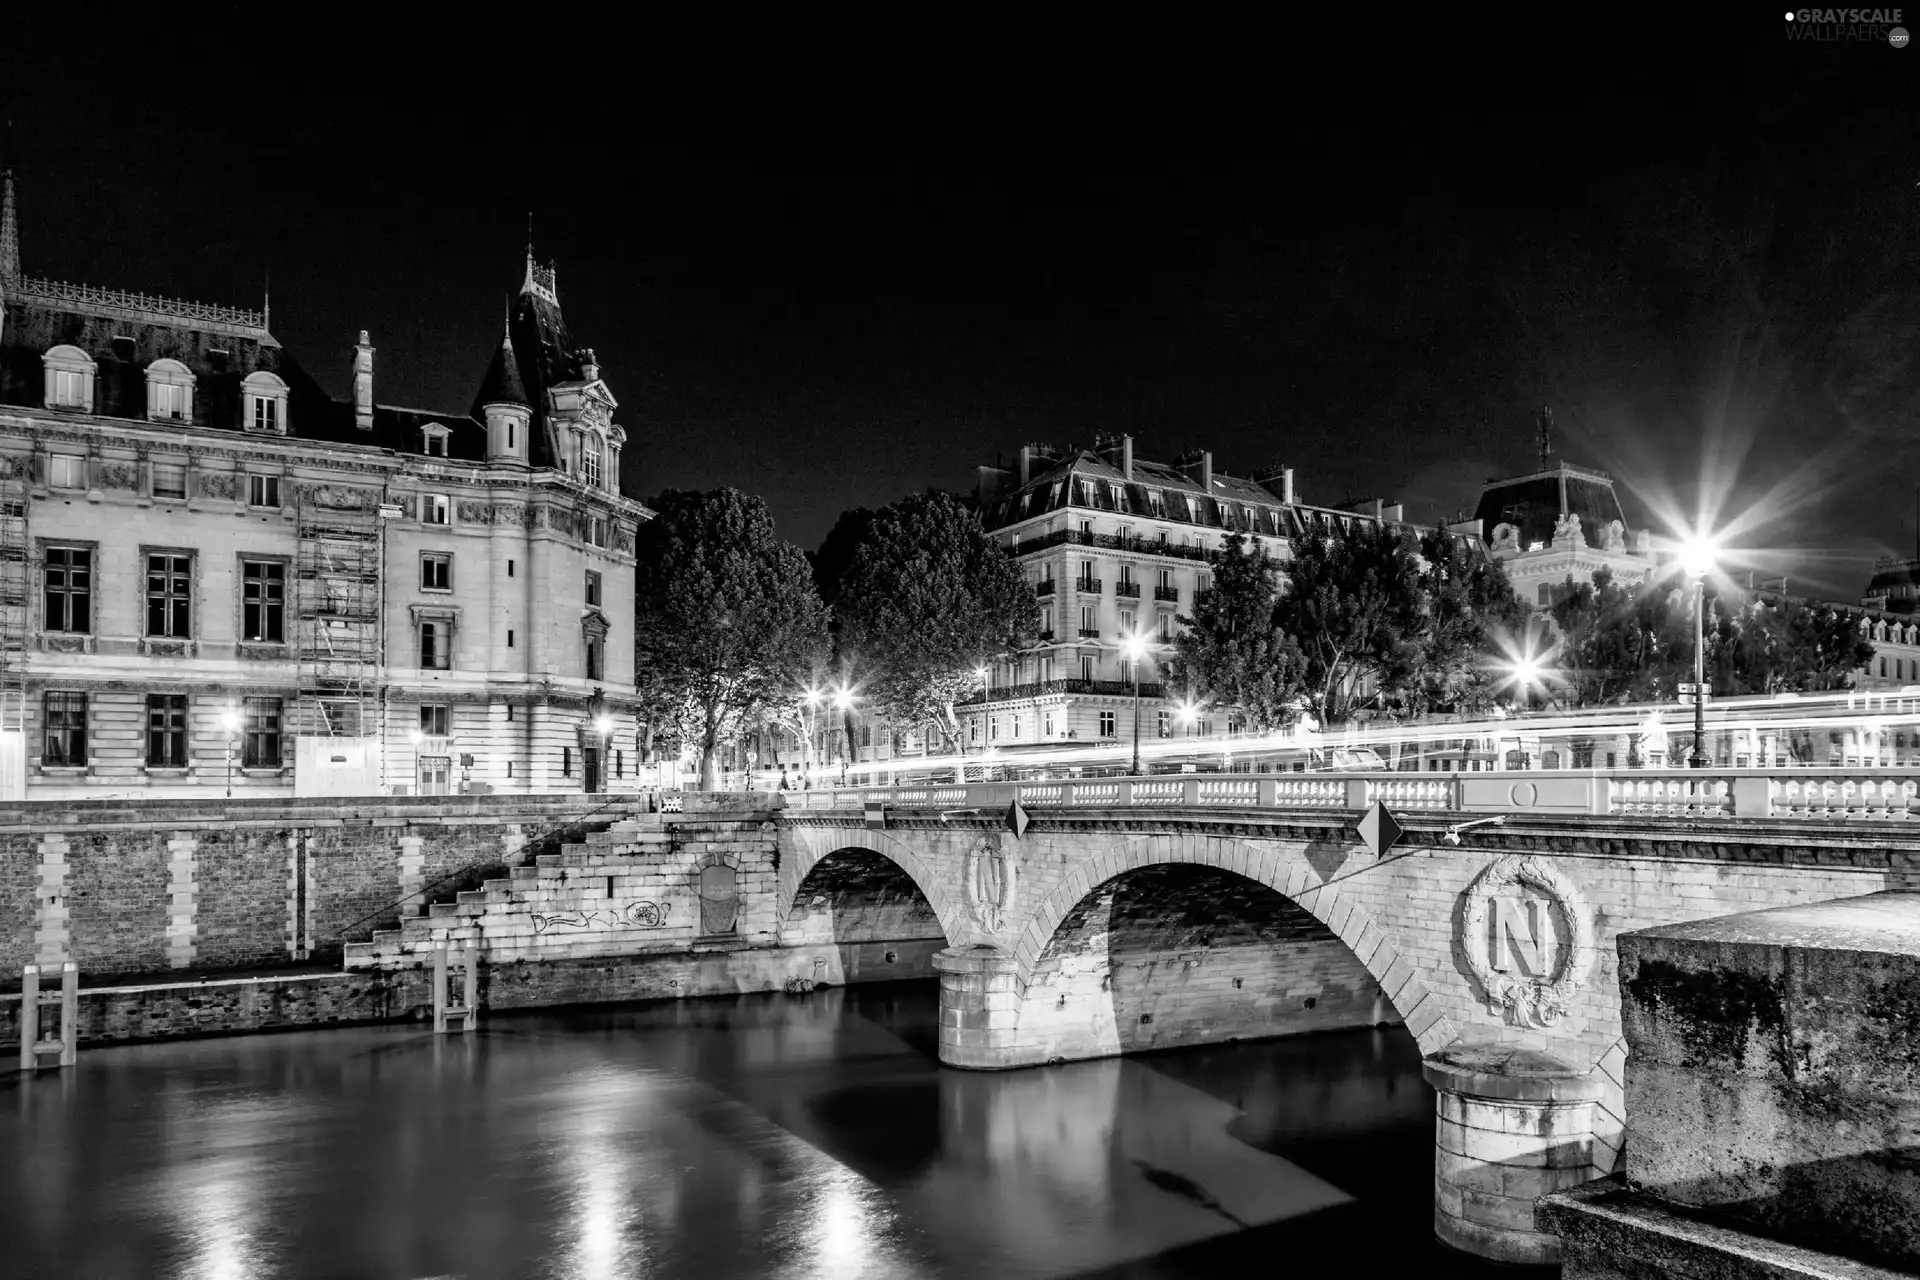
x=471 y=957
x=439 y=988
x=29 y=1016
x=69 y=1014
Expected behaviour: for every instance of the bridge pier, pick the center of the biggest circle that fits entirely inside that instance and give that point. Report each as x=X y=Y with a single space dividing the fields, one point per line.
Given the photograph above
x=979 y=1007
x=1511 y=1125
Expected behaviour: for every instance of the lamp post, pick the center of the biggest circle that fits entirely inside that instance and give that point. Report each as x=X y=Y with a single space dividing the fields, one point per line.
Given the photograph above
x=1135 y=648
x=230 y=720
x=1696 y=559
x=843 y=703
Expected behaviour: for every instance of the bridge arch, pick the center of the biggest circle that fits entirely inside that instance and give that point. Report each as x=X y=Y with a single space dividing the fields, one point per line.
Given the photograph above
x=885 y=879
x=1280 y=866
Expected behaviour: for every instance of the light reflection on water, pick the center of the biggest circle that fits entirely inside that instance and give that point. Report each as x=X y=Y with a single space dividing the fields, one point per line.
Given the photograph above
x=757 y=1136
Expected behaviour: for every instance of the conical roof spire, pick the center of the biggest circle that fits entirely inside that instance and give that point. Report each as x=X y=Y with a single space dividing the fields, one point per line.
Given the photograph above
x=503 y=383
x=9 y=227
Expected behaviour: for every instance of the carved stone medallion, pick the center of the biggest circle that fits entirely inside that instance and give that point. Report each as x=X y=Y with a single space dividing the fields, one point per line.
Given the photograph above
x=1530 y=952
x=991 y=875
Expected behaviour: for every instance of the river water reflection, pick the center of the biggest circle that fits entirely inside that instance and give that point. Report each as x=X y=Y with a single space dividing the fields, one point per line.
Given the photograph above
x=762 y=1136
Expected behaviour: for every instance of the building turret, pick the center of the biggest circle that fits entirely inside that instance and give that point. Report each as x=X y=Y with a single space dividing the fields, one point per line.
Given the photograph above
x=9 y=232
x=504 y=405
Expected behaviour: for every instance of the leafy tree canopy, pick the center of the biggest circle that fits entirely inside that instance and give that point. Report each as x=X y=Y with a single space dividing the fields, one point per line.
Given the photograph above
x=727 y=621
x=926 y=599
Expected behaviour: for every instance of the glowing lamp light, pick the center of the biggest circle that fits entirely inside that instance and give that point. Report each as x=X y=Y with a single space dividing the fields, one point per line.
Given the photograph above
x=814 y=697
x=1187 y=712
x=1697 y=556
x=842 y=699
x=417 y=737
x=604 y=725
x=1134 y=647
x=230 y=719
x=1526 y=671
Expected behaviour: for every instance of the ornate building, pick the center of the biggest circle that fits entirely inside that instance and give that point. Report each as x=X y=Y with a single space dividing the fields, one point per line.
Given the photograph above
x=215 y=575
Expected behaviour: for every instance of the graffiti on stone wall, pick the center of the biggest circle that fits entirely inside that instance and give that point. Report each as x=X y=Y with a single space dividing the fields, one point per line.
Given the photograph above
x=634 y=915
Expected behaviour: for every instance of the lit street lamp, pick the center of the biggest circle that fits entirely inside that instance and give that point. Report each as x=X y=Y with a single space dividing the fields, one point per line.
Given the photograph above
x=1696 y=561
x=230 y=721
x=1135 y=648
x=843 y=703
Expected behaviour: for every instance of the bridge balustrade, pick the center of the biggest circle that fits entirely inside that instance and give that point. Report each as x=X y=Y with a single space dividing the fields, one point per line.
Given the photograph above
x=1881 y=795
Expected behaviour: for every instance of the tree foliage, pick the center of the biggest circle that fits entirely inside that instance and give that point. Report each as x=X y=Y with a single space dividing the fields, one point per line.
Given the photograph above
x=1372 y=619
x=1635 y=644
x=1230 y=654
x=727 y=620
x=925 y=600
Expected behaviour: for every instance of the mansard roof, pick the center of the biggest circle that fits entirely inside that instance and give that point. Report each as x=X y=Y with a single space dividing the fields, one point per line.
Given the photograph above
x=1535 y=502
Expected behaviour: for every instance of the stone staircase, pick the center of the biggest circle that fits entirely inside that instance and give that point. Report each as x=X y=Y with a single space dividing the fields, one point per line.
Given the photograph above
x=624 y=890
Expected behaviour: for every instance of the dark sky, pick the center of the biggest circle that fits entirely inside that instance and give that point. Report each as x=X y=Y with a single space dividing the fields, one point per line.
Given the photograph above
x=832 y=270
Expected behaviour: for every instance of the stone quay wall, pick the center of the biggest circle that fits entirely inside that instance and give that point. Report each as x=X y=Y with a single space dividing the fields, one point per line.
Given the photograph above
x=154 y=887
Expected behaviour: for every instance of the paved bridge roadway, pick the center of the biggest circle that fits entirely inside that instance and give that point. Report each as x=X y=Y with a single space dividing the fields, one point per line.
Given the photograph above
x=1143 y=913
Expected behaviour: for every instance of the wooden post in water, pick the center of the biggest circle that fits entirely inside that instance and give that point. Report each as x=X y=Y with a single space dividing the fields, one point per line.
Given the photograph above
x=38 y=1046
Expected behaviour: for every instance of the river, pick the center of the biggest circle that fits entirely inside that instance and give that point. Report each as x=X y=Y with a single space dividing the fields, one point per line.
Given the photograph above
x=756 y=1136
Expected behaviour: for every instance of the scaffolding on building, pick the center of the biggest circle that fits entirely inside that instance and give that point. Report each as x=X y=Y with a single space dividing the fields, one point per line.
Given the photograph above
x=337 y=603
x=15 y=594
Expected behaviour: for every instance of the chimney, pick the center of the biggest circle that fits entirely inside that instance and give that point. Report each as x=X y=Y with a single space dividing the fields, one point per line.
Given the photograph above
x=1126 y=457
x=1286 y=485
x=1206 y=473
x=1026 y=463
x=363 y=384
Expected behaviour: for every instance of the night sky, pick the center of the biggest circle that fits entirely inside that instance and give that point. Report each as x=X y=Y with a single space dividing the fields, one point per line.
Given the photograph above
x=834 y=270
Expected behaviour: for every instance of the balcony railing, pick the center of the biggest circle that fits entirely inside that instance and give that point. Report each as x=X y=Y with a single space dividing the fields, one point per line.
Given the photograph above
x=1044 y=587
x=1114 y=542
x=1087 y=586
x=1037 y=688
x=1169 y=594
x=1044 y=637
x=1089 y=633
x=1129 y=589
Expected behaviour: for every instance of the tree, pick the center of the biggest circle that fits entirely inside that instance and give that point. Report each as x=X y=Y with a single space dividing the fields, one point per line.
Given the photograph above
x=926 y=600
x=1229 y=652
x=1471 y=623
x=727 y=620
x=1353 y=606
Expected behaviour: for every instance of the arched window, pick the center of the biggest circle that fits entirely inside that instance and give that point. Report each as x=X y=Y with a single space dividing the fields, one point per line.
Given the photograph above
x=265 y=402
x=590 y=459
x=169 y=391
x=69 y=379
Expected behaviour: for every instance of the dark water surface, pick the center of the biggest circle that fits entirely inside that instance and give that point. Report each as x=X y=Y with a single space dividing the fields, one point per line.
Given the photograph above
x=762 y=1136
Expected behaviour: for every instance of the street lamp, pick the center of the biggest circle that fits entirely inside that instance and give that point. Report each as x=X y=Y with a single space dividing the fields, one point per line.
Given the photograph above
x=230 y=721
x=1696 y=561
x=1135 y=648
x=843 y=703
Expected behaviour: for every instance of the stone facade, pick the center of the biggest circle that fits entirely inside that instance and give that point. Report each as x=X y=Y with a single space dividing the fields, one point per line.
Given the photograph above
x=216 y=578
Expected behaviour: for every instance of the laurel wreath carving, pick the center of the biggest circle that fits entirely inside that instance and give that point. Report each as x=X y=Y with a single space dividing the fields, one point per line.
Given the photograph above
x=1526 y=1002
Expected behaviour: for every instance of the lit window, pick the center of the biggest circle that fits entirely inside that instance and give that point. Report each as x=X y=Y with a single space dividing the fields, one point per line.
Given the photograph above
x=262 y=747
x=266 y=402
x=590 y=461
x=263 y=491
x=170 y=480
x=169 y=596
x=67 y=471
x=263 y=596
x=69 y=589
x=66 y=741
x=169 y=391
x=436 y=645
x=1106 y=724
x=436 y=572
x=69 y=379
x=435 y=509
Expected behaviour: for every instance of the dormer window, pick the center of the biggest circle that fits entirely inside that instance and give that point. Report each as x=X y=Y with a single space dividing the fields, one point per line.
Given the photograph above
x=266 y=402
x=434 y=440
x=590 y=460
x=169 y=391
x=69 y=379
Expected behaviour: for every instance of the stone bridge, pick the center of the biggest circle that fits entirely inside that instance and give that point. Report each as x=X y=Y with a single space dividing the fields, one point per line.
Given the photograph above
x=1124 y=918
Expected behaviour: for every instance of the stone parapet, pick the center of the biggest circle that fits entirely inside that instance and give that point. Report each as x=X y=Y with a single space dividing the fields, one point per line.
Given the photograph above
x=1770 y=1080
